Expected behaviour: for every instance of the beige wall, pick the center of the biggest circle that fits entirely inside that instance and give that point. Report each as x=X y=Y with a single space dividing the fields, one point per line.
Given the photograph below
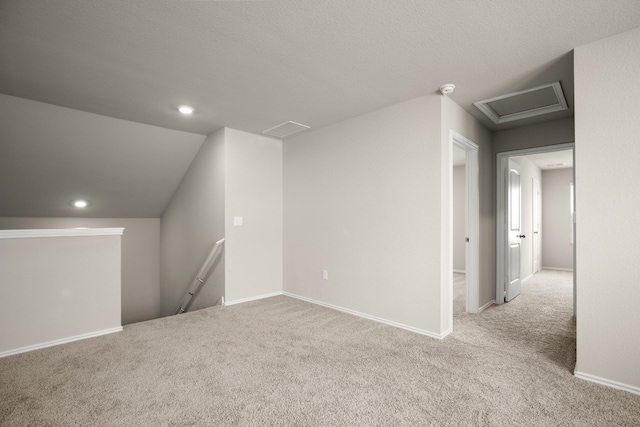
x=253 y=191
x=190 y=225
x=607 y=200
x=557 y=248
x=140 y=258
x=58 y=288
x=457 y=119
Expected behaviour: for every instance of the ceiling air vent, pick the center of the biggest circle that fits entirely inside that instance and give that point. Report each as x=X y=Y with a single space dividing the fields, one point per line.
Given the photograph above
x=524 y=104
x=285 y=129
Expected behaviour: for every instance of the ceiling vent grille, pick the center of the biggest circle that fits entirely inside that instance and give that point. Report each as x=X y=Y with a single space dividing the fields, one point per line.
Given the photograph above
x=285 y=129
x=524 y=104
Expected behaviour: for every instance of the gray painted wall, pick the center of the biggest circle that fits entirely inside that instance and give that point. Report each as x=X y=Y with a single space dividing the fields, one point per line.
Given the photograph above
x=368 y=200
x=539 y=135
x=459 y=217
x=140 y=258
x=190 y=225
x=557 y=248
x=253 y=191
x=58 y=288
x=457 y=119
x=362 y=200
x=607 y=201
x=235 y=174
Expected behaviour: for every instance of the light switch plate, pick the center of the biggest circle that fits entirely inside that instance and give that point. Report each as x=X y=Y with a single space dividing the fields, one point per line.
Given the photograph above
x=237 y=221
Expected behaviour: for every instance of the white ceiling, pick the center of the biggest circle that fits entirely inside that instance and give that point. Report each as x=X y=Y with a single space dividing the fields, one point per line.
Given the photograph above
x=552 y=160
x=252 y=65
x=51 y=156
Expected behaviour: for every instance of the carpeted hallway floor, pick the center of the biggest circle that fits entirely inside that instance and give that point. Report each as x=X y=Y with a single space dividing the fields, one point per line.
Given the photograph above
x=281 y=361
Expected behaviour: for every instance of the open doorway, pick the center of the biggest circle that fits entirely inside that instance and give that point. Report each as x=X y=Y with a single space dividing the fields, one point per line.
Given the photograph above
x=459 y=224
x=464 y=225
x=535 y=217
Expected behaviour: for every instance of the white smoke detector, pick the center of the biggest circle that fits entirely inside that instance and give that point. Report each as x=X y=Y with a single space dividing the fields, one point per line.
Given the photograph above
x=447 y=89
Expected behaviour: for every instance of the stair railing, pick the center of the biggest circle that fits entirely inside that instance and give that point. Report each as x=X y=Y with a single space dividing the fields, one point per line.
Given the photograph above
x=200 y=278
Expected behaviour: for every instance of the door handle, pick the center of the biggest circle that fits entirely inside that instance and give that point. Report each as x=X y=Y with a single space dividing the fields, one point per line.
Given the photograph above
x=522 y=236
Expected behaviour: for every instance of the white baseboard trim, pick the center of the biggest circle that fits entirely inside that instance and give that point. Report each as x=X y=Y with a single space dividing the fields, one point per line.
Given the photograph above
x=257 y=297
x=442 y=335
x=368 y=316
x=60 y=341
x=557 y=269
x=460 y=271
x=487 y=305
x=527 y=278
x=606 y=382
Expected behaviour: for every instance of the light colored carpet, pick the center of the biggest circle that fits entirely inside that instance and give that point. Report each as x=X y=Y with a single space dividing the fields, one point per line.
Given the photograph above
x=459 y=293
x=281 y=361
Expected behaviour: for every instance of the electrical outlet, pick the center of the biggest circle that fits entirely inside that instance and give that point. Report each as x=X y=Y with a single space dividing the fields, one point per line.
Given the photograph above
x=325 y=275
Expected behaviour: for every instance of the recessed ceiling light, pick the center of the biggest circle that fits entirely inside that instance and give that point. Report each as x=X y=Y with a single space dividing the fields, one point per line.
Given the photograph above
x=80 y=204
x=185 y=109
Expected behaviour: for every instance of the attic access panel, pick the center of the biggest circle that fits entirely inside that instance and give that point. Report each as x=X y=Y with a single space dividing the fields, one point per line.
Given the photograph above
x=285 y=129
x=524 y=104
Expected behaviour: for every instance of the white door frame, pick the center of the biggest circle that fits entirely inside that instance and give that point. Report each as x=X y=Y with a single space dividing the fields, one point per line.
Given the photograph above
x=514 y=229
x=501 y=171
x=472 y=247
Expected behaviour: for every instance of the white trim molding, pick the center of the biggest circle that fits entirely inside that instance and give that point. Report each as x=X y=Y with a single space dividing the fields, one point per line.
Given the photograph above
x=369 y=317
x=487 y=305
x=60 y=232
x=60 y=341
x=255 y=298
x=526 y=279
x=606 y=382
x=558 y=269
x=344 y=310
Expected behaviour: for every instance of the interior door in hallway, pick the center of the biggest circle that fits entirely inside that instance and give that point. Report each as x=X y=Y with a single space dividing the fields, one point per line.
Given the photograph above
x=537 y=214
x=514 y=236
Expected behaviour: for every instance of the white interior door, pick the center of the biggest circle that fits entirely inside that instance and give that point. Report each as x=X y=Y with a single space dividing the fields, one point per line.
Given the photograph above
x=537 y=214
x=514 y=236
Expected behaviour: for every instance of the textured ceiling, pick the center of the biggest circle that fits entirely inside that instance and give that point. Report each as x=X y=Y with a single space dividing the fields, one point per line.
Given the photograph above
x=51 y=156
x=253 y=65
x=249 y=66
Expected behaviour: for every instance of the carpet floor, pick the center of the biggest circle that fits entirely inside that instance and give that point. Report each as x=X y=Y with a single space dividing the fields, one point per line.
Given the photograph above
x=285 y=362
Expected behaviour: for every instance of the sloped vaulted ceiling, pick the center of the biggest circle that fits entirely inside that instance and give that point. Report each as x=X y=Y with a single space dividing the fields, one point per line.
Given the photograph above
x=50 y=156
